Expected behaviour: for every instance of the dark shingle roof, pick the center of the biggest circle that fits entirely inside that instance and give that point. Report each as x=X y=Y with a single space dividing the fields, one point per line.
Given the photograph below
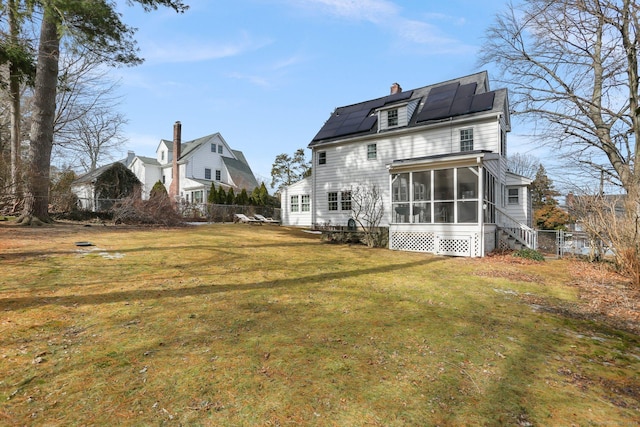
x=453 y=98
x=240 y=172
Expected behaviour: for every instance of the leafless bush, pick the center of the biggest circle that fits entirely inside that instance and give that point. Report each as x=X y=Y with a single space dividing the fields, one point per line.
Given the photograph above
x=156 y=210
x=612 y=223
x=367 y=209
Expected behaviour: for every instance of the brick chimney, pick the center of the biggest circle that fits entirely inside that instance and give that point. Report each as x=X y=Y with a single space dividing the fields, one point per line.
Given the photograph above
x=395 y=88
x=174 y=188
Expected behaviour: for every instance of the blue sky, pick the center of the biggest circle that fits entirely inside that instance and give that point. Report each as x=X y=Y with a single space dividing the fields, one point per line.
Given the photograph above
x=267 y=74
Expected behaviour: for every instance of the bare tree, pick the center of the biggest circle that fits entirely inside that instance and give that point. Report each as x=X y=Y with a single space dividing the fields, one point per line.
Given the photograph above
x=92 y=138
x=523 y=164
x=367 y=209
x=572 y=67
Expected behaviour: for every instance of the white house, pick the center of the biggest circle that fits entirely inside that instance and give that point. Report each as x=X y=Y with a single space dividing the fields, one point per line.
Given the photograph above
x=437 y=154
x=199 y=163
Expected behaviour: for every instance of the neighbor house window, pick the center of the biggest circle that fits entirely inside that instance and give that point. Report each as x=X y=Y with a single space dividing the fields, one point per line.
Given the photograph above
x=219 y=149
x=346 y=200
x=332 y=198
x=392 y=118
x=305 y=203
x=162 y=155
x=372 y=151
x=207 y=173
x=197 y=196
x=322 y=157
x=163 y=179
x=218 y=175
x=213 y=148
x=466 y=140
x=295 y=207
x=513 y=195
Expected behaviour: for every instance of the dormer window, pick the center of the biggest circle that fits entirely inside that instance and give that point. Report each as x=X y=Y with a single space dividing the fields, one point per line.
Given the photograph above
x=161 y=155
x=392 y=118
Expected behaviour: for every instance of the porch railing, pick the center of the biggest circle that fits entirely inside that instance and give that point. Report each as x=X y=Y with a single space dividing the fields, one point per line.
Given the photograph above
x=521 y=232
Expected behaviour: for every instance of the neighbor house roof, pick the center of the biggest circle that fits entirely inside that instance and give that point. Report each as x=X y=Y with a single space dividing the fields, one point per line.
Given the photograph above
x=463 y=96
x=90 y=177
x=240 y=172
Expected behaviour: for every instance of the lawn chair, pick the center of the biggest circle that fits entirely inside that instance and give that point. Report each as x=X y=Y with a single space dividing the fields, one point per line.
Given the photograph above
x=246 y=219
x=266 y=220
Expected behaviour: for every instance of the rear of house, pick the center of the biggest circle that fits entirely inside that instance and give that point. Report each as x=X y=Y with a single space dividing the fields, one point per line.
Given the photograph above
x=436 y=154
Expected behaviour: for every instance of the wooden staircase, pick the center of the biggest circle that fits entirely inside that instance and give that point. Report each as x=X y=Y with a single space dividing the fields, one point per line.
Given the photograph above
x=514 y=235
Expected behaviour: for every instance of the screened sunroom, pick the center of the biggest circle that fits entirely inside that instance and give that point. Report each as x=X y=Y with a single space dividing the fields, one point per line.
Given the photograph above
x=444 y=204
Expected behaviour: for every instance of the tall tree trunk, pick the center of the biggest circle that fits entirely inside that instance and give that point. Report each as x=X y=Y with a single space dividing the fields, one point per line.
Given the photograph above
x=36 y=206
x=14 y=95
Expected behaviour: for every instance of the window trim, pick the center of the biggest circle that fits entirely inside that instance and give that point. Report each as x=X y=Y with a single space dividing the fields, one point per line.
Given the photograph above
x=345 y=200
x=393 y=118
x=322 y=157
x=372 y=151
x=305 y=203
x=466 y=144
x=333 y=201
x=511 y=197
x=294 y=203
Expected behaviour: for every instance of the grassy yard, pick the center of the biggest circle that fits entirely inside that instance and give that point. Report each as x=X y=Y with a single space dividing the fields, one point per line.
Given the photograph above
x=234 y=325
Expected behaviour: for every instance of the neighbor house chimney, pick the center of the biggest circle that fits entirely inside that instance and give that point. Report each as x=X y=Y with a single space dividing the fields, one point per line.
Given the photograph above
x=395 y=88
x=174 y=188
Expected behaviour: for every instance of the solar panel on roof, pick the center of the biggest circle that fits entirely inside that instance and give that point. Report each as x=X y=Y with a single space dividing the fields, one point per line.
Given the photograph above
x=462 y=101
x=482 y=102
x=356 y=118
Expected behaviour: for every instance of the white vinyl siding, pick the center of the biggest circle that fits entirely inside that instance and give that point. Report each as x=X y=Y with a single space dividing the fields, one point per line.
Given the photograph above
x=345 y=167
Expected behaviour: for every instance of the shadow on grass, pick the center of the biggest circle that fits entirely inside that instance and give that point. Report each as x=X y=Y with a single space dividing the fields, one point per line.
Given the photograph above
x=148 y=294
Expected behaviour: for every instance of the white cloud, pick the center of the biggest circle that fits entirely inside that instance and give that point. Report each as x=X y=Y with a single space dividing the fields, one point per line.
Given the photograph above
x=388 y=16
x=191 y=50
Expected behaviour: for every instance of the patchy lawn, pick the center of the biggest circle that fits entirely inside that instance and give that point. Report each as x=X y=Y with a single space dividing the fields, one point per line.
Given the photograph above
x=239 y=325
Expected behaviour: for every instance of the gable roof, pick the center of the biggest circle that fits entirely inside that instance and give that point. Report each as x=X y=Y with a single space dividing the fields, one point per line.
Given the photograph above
x=90 y=177
x=454 y=98
x=188 y=147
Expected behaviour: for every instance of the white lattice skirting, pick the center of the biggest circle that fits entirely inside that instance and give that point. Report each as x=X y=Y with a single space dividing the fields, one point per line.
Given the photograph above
x=416 y=241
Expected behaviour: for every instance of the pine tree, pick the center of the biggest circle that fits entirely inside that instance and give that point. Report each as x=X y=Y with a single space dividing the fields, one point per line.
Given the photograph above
x=546 y=213
x=213 y=194
x=231 y=197
x=222 y=196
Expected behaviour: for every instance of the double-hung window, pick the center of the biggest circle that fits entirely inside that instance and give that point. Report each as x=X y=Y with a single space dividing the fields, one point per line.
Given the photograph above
x=305 y=203
x=392 y=118
x=332 y=199
x=466 y=140
x=372 y=151
x=345 y=200
x=513 y=194
x=219 y=149
x=295 y=207
x=218 y=175
x=322 y=157
x=207 y=173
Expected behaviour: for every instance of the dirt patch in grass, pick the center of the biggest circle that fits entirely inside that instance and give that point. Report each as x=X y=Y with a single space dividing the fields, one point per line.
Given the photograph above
x=604 y=295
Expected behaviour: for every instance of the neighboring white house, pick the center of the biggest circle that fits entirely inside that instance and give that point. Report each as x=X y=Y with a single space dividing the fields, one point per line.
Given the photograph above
x=199 y=163
x=437 y=154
